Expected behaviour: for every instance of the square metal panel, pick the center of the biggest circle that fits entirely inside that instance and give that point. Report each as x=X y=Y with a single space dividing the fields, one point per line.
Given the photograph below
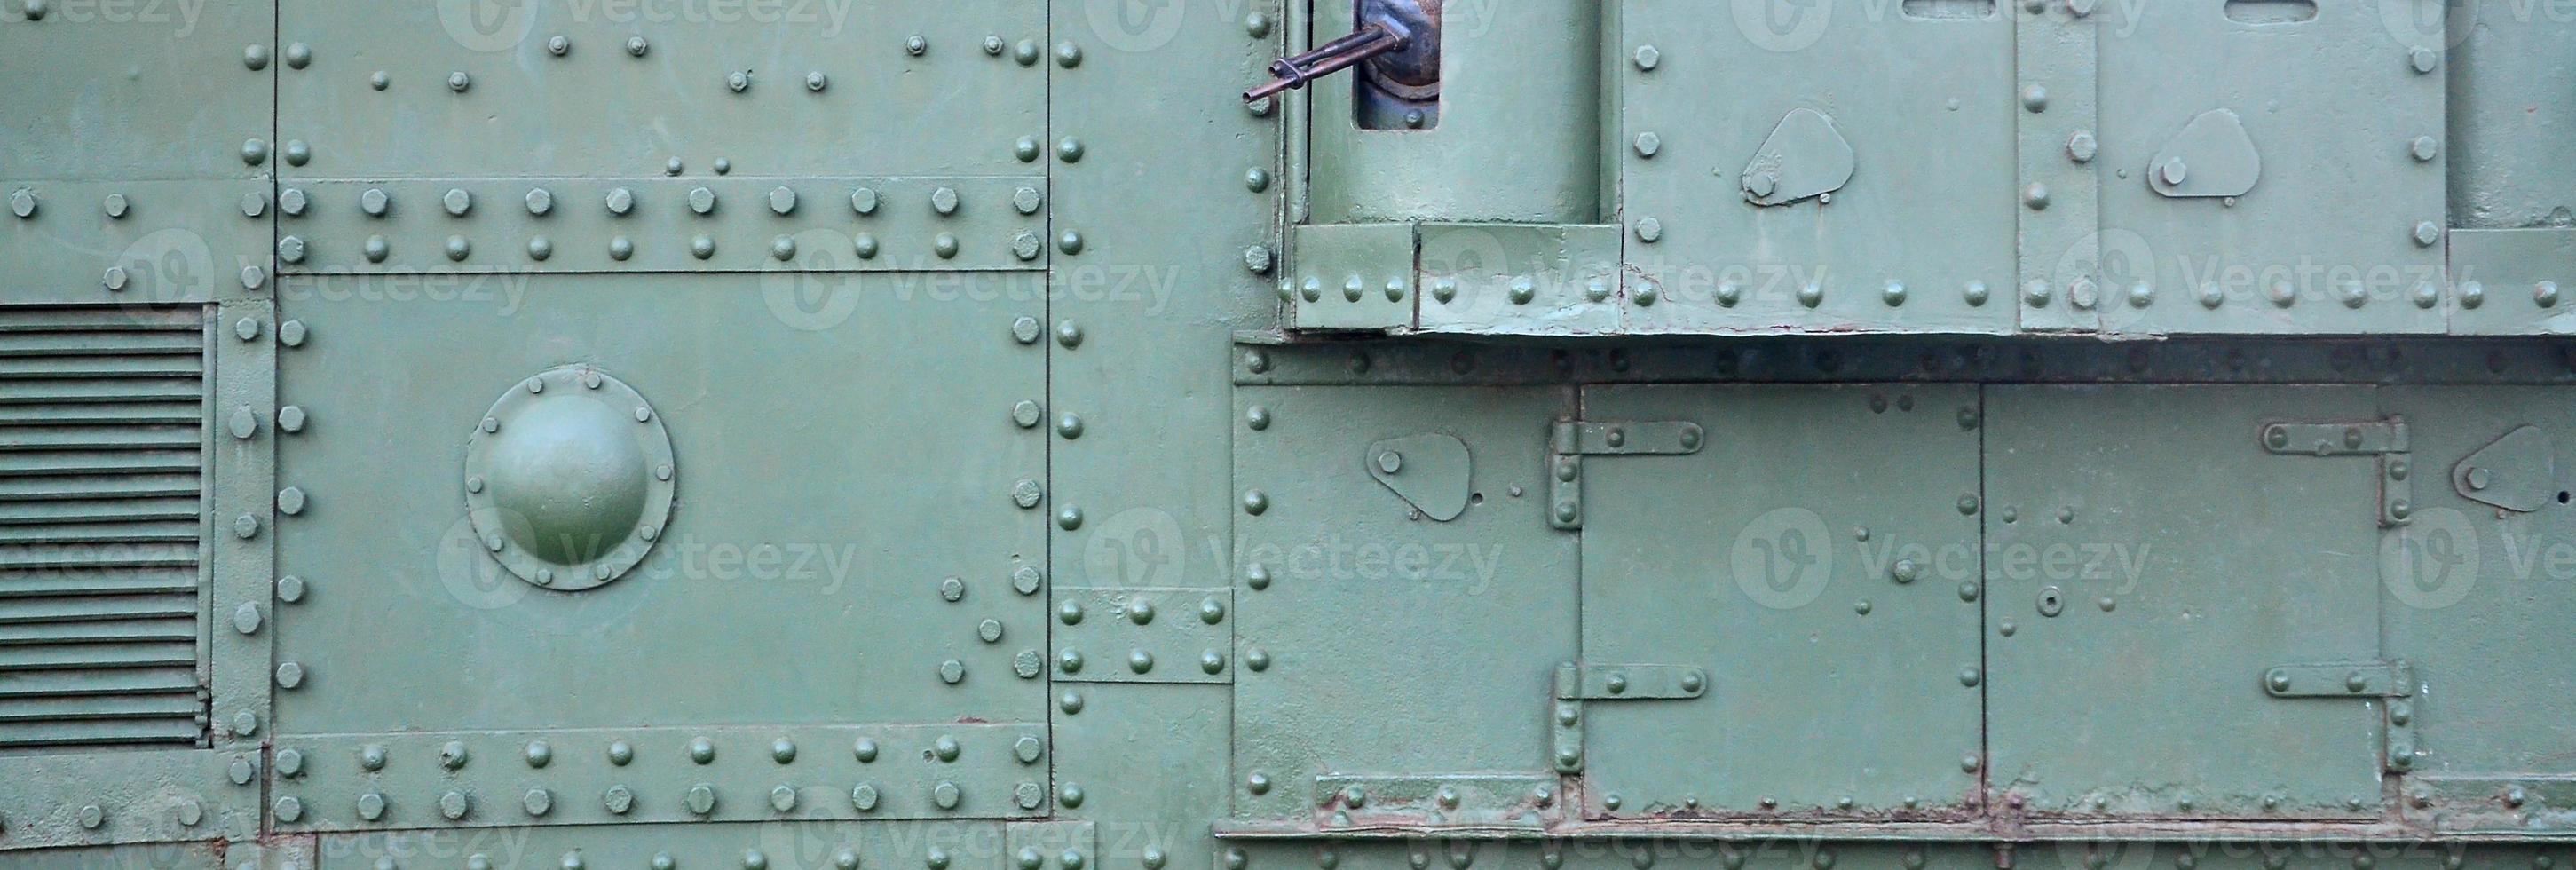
x=813 y=477
x=1372 y=638
x=1722 y=106
x=1829 y=615
x=2132 y=612
x=2344 y=119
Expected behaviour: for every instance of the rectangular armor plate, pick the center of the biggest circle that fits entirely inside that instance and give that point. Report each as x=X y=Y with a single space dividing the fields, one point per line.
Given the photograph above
x=1826 y=615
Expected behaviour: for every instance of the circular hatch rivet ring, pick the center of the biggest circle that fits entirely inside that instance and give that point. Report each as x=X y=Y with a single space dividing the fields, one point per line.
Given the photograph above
x=576 y=478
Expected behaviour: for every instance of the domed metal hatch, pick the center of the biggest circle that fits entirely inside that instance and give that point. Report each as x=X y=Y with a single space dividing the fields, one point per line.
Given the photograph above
x=568 y=478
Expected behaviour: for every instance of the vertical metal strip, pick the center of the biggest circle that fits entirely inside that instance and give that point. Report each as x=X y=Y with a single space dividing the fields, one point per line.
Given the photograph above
x=2056 y=91
x=242 y=481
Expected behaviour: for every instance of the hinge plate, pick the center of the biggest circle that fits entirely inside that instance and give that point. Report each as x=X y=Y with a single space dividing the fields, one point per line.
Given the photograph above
x=2393 y=679
x=1575 y=439
x=2385 y=439
x=1632 y=682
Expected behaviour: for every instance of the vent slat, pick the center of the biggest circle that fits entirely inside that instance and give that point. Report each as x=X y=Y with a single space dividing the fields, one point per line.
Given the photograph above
x=77 y=709
x=161 y=481
x=125 y=631
x=101 y=655
x=98 y=581
x=108 y=537
x=14 y=368
x=18 y=557
x=138 y=681
x=95 y=510
x=103 y=343
x=172 y=730
x=109 y=437
x=33 y=391
x=102 y=413
x=18 y=611
x=119 y=319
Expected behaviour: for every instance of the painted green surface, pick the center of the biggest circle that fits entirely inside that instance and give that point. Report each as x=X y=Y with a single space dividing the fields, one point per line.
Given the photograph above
x=1016 y=522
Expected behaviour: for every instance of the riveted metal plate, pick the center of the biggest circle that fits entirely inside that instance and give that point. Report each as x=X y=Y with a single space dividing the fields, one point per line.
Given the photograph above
x=1628 y=438
x=1063 y=845
x=1926 y=214
x=843 y=224
x=799 y=523
x=1485 y=801
x=2056 y=105
x=175 y=242
x=2341 y=234
x=2529 y=804
x=241 y=575
x=638 y=84
x=518 y=778
x=1143 y=635
x=2513 y=282
x=1841 y=591
x=815 y=843
x=2098 y=565
x=1520 y=279
x=97 y=799
x=569 y=478
x=1327 y=545
x=1351 y=277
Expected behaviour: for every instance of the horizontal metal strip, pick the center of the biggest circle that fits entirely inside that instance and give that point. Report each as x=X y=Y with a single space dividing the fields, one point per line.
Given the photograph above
x=672 y=774
x=104 y=536
x=514 y=226
x=182 y=318
x=73 y=708
x=90 y=608
x=191 y=342
x=103 y=437
x=22 y=557
x=131 y=681
x=101 y=366
x=27 y=734
x=122 y=655
x=32 y=391
x=123 y=631
x=99 y=581
x=139 y=474
x=184 y=412
x=97 y=510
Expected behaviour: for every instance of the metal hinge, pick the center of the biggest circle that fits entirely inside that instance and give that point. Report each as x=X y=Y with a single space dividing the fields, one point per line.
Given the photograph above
x=2392 y=681
x=1575 y=439
x=2385 y=439
x=1576 y=684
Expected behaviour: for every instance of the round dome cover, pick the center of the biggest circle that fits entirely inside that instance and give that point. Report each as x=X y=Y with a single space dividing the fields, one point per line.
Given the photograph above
x=568 y=478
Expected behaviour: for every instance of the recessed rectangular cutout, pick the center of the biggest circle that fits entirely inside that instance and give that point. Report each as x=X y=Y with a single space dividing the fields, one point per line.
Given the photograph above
x=1949 y=10
x=2271 y=11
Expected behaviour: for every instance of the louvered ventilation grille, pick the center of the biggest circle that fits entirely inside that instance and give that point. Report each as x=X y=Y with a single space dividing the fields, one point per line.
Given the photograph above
x=102 y=427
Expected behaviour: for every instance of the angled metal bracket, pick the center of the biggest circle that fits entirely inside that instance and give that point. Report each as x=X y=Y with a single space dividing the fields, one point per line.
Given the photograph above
x=1575 y=439
x=2392 y=681
x=2385 y=439
x=2516 y=472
